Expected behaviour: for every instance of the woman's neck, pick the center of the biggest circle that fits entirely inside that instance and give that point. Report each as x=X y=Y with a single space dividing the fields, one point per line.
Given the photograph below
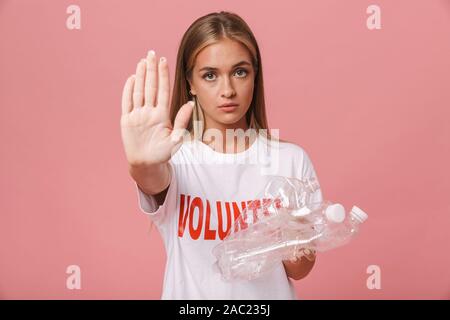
x=228 y=138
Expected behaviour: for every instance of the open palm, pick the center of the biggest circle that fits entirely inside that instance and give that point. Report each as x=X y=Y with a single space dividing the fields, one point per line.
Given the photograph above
x=148 y=135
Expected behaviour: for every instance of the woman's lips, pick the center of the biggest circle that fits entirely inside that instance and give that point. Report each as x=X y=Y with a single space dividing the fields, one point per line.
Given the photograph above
x=229 y=108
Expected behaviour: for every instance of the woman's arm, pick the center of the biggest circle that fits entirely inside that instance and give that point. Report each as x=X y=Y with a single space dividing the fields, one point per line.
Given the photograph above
x=149 y=137
x=153 y=180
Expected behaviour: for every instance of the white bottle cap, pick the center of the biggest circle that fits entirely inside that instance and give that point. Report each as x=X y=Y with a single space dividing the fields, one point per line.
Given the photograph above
x=335 y=213
x=359 y=214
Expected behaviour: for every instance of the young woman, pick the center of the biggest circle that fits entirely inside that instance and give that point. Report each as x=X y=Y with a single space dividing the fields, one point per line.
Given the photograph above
x=193 y=173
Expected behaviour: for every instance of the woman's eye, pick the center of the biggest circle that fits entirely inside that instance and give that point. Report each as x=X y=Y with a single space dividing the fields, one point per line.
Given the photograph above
x=242 y=74
x=206 y=76
x=242 y=70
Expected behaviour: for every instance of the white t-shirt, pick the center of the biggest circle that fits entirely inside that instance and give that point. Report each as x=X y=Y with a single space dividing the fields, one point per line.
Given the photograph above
x=208 y=189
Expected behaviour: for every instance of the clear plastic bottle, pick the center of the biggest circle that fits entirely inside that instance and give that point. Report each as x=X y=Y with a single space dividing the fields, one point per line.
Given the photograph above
x=259 y=240
x=314 y=214
x=293 y=193
x=336 y=234
x=288 y=194
x=248 y=254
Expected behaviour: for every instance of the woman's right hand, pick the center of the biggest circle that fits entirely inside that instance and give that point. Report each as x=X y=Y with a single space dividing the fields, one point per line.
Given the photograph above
x=148 y=136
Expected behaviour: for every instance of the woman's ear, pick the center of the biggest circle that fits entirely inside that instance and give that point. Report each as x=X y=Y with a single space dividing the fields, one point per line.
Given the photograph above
x=192 y=88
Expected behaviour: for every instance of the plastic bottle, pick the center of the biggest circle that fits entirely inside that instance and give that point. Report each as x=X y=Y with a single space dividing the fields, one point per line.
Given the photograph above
x=288 y=194
x=293 y=193
x=248 y=254
x=336 y=234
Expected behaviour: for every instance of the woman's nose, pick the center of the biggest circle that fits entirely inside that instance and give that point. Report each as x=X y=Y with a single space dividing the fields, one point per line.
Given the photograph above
x=227 y=90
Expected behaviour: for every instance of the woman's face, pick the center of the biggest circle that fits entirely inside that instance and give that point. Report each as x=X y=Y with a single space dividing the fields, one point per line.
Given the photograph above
x=223 y=73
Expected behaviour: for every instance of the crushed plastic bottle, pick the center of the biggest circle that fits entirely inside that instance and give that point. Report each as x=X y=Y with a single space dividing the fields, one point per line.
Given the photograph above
x=258 y=242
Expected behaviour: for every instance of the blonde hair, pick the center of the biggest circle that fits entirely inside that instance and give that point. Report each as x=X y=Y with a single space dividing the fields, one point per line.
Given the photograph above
x=205 y=31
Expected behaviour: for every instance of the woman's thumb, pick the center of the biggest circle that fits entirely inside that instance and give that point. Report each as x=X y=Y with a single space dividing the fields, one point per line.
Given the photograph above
x=181 y=121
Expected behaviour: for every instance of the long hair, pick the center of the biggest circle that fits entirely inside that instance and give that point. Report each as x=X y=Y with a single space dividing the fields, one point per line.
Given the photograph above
x=205 y=31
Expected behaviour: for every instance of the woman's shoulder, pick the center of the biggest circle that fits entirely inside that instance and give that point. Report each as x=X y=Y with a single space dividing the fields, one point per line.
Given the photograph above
x=291 y=151
x=285 y=146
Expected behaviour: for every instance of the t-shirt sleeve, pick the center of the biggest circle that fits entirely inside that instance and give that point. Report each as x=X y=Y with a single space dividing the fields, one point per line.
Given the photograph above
x=307 y=171
x=148 y=205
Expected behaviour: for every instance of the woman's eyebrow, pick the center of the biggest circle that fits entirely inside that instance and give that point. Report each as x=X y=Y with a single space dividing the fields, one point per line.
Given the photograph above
x=235 y=65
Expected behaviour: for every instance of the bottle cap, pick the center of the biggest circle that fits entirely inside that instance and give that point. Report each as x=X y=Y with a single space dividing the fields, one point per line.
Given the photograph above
x=359 y=214
x=335 y=213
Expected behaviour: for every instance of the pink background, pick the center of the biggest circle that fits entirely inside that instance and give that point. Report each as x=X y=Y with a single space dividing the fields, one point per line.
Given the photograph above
x=371 y=109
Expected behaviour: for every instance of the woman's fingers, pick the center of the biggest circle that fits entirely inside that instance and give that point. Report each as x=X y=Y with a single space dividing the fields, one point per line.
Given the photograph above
x=138 y=92
x=296 y=255
x=299 y=253
x=310 y=254
x=151 y=84
x=127 y=95
x=163 y=84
